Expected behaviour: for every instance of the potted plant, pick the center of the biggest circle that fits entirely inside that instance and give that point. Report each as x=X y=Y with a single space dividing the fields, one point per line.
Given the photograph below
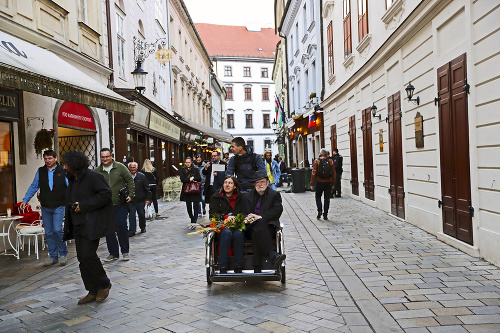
x=312 y=95
x=44 y=139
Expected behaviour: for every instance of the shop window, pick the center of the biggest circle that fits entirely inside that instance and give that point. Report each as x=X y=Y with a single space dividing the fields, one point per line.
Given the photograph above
x=6 y=168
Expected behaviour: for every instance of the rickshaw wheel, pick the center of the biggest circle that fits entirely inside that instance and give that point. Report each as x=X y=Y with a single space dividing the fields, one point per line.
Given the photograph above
x=283 y=274
x=208 y=276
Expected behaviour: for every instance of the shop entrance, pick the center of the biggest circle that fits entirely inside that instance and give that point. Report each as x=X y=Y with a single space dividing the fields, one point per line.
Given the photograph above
x=77 y=130
x=354 y=155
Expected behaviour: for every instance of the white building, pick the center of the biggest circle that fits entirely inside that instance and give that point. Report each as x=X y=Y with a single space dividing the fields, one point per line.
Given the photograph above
x=243 y=60
x=218 y=95
x=432 y=161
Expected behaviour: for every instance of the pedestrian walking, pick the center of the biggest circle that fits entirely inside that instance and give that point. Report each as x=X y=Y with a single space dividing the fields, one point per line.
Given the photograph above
x=227 y=203
x=337 y=161
x=226 y=158
x=213 y=179
x=263 y=207
x=323 y=173
x=200 y=164
x=51 y=180
x=150 y=172
x=89 y=216
x=122 y=187
x=244 y=163
x=189 y=173
x=283 y=173
x=272 y=169
x=139 y=201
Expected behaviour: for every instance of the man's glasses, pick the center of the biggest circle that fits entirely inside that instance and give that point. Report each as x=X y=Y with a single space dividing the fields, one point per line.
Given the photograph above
x=261 y=182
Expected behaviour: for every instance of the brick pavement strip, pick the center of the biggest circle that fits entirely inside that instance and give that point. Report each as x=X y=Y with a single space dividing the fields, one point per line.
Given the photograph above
x=363 y=271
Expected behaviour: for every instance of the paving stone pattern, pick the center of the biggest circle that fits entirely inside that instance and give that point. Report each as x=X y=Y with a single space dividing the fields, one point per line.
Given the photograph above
x=363 y=271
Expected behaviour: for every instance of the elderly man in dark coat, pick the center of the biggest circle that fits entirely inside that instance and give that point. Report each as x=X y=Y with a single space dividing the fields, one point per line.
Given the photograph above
x=264 y=208
x=89 y=216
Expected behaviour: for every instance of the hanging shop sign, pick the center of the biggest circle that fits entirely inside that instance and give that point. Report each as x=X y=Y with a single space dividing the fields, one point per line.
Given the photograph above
x=164 y=126
x=419 y=131
x=163 y=55
x=9 y=105
x=76 y=116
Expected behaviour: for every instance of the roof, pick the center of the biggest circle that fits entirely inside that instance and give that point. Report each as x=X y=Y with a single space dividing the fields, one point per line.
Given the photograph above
x=236 y=41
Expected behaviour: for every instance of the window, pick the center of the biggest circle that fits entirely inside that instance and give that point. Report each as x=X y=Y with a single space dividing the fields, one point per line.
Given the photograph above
x=291 y=44
x=230 y=121
x=265 y=94
x=267 y=144
x=297 y=36
x=246 y=72
x=248 y=119
x=347 y=28
x=263 y=72
x=159 y=10
x=248 y=94
x=304 y=19
x=83 y=11
x=329 y=33
x=266 y=120
x=362 y=18
x=228 y=71
x=311 y=10
x=121 y=46
x=388 y=3
x=250 y=143
x=229 y=93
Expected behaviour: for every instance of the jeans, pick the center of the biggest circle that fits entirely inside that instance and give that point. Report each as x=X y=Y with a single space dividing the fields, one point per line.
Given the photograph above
x=202 y=197
x=283 y=178
x=120 y=213
x=338 y=187
x=323 y=188
x=193 y=205
x=93 y=275
x=225 y=243
x=53 y=224
x=139 y=208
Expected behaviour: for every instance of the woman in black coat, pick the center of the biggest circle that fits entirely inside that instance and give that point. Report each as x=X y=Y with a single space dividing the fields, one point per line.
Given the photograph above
x=189 y=173
x=89 y=216
x=226 y=204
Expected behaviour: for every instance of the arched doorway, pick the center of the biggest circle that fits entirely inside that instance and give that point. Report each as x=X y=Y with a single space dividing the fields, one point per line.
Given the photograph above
x=77 y=130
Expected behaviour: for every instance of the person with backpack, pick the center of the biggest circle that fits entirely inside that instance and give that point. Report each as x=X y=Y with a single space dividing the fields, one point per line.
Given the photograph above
x=244 y=164
x=323 y=173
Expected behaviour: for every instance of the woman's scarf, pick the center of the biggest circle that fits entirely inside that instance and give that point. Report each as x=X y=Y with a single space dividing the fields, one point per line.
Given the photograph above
x=189 y=171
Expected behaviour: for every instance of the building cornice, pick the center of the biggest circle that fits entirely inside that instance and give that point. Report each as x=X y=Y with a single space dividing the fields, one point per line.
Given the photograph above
x=291 y=12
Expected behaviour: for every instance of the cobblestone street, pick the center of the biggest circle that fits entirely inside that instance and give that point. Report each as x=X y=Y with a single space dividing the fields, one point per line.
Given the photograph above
x=362 y=271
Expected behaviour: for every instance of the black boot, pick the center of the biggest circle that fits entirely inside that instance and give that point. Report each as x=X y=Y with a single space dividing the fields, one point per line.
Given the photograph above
x=319 y=215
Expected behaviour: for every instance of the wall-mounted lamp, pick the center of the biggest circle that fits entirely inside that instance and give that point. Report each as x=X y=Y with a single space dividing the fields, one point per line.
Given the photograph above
x=409 y=93
x=139 y=75
x=374 y=112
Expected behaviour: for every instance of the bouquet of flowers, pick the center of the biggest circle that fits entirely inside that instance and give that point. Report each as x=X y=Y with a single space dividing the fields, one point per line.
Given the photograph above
x=217 y=224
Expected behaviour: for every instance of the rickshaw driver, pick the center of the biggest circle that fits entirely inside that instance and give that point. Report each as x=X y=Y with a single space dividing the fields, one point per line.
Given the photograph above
x=264 y=208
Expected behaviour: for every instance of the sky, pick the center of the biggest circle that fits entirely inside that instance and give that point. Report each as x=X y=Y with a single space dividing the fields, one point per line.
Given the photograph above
x=255 y=13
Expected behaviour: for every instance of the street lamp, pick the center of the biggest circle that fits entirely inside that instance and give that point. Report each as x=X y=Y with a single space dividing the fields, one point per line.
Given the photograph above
x=374 y=112
x=139 y=75
x=409 y=93
x=275 y=126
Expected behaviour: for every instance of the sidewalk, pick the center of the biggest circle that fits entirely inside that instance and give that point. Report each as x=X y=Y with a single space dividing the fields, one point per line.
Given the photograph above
x=362 y=271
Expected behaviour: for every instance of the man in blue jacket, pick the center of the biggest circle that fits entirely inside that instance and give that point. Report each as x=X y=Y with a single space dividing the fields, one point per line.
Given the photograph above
x=272 y=170
x=244 y=164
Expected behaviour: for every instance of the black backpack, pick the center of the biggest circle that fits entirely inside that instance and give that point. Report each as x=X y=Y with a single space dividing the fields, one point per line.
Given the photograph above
x=324 y=169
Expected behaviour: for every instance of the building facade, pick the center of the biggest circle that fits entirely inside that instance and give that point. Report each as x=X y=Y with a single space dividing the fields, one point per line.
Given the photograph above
x=300 y=26
x=243 y=60
x=431 y=159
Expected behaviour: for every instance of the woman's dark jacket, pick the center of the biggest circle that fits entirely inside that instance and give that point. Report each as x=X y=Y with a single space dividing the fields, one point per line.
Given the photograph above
x=219 y=204
x=184 y=180
x=271 y=205
x=93 y=195
x=142 y=190
x=151 y=176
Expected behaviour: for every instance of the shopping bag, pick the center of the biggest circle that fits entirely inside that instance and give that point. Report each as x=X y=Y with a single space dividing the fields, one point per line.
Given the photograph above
x=150 y=212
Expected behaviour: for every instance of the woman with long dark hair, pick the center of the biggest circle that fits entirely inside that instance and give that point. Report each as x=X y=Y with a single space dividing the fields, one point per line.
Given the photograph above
x=189 y=173
x=226 y=204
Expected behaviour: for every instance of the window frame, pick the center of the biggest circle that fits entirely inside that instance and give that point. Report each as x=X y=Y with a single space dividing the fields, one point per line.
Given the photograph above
x=229 y=93
x=264 y=70
x=122 y=69
x=248 y=93
x=329 y=33
x=248 y=120
x=228 y=71
x=247 y=72
x=266 y=120
x=230 y=120
x=362 y=19
x=265 y=93
x=347 y=28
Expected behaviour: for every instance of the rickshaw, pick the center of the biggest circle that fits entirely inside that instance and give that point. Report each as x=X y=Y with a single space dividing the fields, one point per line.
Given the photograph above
x=269 y=272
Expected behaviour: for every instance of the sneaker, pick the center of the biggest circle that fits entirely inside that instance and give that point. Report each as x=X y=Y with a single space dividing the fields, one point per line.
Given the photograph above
x=102 y=294
x=125 y=257
x=87 y=299
x=62 y=261
x=110 y=258
x=49 y=262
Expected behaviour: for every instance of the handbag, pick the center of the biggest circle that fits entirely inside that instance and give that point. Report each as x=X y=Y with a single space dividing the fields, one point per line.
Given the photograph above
x=192 y=188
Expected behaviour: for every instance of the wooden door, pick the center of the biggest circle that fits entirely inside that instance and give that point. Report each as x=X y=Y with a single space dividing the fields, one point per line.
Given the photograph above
x=454 y=145
x=368 y=154
x=354 y=155
x=396 y=189
x=333 y=136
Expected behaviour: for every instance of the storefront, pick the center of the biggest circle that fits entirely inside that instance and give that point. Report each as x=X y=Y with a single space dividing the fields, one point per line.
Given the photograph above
x=305 y=139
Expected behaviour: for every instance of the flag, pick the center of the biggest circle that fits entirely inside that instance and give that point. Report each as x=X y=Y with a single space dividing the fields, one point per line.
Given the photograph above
x=280 y=114
x=312 y=121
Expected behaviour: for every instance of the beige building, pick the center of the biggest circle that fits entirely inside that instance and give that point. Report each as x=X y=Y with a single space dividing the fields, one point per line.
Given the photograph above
x=191 y=67
x=432 y=161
